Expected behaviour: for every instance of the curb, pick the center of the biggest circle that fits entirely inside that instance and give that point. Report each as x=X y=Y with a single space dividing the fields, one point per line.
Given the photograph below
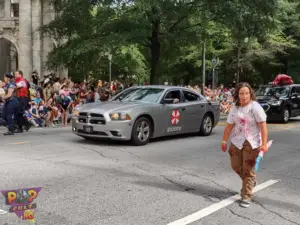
x=223 y=117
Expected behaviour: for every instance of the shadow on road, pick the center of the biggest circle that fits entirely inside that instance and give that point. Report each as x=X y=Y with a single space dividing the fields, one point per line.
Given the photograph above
x=292 y=121
x=276 y=203
x=128 y=143
x=205 y=191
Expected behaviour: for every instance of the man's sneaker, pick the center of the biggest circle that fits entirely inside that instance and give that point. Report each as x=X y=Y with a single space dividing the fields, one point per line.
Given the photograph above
x=19 y=130
x=9 y=133
x=245 y=203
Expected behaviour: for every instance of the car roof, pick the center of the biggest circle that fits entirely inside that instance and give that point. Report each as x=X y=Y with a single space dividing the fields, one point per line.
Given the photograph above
x=165 y=87
x=287 y=85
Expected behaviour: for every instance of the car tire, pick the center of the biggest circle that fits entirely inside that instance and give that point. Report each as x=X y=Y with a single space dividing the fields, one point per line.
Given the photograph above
x=206 y=125
x=285 y=115
x=141 y=137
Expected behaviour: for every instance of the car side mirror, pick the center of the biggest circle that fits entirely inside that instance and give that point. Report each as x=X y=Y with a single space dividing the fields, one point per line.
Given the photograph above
x=208 y=99
x=167 y=101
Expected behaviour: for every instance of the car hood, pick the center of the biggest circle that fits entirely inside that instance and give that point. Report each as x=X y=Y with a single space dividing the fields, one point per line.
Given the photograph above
x=263 y=99
x=111 y=106
x=266 y=99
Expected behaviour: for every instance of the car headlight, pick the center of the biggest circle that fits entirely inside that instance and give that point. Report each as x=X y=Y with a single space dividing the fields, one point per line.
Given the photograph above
x=275 y=102
x=119 y=116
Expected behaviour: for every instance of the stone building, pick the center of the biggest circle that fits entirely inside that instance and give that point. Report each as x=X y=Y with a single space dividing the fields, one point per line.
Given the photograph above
x=21 y=45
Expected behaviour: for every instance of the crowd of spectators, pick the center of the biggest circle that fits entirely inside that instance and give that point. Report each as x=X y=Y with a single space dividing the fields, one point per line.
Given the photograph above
x=221 y=94
x=54 y=102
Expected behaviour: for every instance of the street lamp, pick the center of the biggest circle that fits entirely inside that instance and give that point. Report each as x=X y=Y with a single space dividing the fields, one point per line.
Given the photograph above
x=109 y=58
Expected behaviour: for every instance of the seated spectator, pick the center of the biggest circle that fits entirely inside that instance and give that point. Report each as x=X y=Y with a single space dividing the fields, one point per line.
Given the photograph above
x=30 y=119
x=37 y=99
x=35 y=114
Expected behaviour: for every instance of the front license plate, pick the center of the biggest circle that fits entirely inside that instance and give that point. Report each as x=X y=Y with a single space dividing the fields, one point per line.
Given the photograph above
x=88 y=129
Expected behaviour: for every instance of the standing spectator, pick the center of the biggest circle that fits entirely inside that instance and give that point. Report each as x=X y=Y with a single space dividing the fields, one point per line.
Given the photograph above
x=97 y=96
x=47 y=91
x=23 y=97
x=64 y=103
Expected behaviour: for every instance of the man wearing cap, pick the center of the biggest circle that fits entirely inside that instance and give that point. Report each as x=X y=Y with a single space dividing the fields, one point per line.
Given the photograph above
x=12 y=105
x=23 y=96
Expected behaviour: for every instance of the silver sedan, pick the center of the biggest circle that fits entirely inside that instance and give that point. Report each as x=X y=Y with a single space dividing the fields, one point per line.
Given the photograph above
x=144 y=112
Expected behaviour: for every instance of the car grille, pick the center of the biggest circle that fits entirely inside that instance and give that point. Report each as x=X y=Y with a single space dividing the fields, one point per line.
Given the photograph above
x=83 y=114
x=92 y=118
x=94 y=132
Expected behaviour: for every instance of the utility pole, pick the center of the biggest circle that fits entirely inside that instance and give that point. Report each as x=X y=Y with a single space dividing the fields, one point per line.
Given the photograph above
x=109 y=58
x=203 y=67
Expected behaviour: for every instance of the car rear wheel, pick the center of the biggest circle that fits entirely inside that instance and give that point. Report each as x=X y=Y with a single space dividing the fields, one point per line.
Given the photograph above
x=141 y=131
x=285 y=115
x=207 y=125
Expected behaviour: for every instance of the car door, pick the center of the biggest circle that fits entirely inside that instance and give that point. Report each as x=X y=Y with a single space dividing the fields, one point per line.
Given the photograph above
x=173 y=114
x=295 y=100
x=195 y=110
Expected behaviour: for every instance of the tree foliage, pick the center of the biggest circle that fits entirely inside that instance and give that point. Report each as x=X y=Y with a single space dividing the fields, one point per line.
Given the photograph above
x=159 y=40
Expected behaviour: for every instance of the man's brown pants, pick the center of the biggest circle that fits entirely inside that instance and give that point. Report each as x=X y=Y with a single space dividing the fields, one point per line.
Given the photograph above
x=243 y=163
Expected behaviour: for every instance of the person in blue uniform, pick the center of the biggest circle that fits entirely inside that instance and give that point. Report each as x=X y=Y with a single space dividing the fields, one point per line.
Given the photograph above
x=12 y=105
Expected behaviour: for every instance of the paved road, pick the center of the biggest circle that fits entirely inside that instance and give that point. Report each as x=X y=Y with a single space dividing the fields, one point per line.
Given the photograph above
x=106 y=183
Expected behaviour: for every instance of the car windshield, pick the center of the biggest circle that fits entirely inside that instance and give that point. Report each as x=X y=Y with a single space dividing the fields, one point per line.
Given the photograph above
x=272 y=91
x=150 y=95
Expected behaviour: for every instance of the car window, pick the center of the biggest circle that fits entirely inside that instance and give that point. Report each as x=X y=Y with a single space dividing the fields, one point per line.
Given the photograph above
x=124 y=93
x=295 y=90
x=272 y=91
x=150 y=95
x=190 y=97
x=175 y=95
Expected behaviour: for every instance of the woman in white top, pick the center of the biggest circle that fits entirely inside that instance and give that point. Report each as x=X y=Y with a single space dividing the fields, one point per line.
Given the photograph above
x=247 y=128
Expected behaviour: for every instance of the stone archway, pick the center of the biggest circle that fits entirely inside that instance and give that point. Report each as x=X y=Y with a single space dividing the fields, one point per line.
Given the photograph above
x=9 y=51
x=12 y=40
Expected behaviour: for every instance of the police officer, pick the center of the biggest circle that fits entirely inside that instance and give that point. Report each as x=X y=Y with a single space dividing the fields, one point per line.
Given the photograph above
x=12 y=105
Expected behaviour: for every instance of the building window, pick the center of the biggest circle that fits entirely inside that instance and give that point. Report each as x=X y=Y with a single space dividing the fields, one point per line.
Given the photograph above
x=15 y=9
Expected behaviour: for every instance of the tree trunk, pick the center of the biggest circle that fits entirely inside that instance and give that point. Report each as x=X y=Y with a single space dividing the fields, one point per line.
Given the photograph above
x=155 y=52
x=238 y=63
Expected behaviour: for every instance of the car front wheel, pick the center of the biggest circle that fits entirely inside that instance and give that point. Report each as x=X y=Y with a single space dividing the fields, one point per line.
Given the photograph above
x=207 y=125
x=141 y=131
x=285 y=115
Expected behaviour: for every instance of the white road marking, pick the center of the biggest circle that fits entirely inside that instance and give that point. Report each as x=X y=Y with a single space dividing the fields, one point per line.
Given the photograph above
x=217 y=206
x=2 y=212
